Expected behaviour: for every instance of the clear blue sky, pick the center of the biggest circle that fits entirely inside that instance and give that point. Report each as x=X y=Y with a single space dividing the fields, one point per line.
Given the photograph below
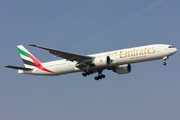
x=149 y=92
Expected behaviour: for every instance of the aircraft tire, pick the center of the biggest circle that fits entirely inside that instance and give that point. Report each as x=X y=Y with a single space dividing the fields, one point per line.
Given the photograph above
x=84 y=74
x=103 y=76
x=96 y=78
x=164 y=63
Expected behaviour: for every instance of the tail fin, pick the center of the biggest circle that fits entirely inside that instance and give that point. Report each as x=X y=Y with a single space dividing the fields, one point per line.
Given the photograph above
x=29 y=60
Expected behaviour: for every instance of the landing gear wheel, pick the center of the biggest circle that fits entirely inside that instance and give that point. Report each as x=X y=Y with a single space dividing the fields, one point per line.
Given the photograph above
x=100 y=77
x=103 y=76
x=90 y=72
x=96 y=78
x=164 y=63
x=84 y=74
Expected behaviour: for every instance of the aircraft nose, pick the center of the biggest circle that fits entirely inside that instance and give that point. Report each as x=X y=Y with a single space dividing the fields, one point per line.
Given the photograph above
x=175 y=50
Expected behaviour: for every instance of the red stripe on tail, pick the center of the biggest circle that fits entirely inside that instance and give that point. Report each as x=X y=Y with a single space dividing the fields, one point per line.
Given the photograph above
x=38 y=64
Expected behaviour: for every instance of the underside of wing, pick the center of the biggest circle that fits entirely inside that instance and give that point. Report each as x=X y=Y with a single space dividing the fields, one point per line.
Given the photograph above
x=67 y=55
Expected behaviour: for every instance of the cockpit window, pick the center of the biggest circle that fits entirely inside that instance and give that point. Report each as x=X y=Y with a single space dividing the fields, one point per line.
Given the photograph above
x=171 y=46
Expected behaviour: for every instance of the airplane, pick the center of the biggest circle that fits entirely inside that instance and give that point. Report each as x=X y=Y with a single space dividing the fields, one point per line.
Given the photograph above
x=119 y=61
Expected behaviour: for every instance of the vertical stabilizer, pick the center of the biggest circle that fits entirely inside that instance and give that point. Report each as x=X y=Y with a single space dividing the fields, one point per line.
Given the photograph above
x=29 y=60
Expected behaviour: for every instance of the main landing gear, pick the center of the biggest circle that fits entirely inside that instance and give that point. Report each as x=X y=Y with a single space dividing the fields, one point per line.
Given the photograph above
x=165 y=58
x=100 y=75
x=87 y=73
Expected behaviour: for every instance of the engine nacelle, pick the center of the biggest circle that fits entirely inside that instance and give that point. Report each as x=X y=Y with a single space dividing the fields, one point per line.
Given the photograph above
x=102 y=61
x=123 y=69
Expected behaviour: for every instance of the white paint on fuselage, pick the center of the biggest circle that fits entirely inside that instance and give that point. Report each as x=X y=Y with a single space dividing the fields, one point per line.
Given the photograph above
x=118 y=57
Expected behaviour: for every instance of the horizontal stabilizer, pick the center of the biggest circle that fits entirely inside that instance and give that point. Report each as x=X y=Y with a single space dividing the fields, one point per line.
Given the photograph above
x=18 y=68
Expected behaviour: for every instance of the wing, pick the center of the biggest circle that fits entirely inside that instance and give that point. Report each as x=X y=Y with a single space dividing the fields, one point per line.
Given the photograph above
x=67 y=55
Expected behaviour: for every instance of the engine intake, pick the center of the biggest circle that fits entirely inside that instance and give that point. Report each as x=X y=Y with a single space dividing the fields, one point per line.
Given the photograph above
x=102 y=61
x=123 y=69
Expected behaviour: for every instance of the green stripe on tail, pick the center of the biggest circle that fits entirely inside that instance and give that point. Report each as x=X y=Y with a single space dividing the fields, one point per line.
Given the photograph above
x=23 y=53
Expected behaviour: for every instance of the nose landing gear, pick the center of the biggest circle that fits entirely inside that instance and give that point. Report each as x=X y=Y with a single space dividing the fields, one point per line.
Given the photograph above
x=165 y=58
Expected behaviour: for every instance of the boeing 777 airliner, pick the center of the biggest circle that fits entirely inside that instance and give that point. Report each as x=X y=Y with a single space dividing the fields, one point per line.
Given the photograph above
x=118 y=61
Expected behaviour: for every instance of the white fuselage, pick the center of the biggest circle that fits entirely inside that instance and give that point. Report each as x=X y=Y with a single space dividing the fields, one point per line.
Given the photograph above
x=118 y=57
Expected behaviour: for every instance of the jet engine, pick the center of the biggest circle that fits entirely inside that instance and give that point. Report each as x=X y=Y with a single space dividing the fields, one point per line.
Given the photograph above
x=123 y=69
x=102 y=61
